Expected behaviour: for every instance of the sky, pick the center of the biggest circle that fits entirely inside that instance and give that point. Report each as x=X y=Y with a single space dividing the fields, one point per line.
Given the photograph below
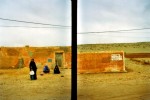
x=102 y=16
x=51 y=12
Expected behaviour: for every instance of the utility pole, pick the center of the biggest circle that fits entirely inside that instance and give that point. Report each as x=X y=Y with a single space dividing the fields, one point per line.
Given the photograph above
x=74 y=50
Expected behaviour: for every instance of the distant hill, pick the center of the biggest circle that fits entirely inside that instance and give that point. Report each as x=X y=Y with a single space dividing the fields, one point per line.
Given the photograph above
x=139 y=47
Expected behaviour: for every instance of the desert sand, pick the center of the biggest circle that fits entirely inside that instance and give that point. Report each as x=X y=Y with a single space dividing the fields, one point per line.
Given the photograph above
x=15 y=84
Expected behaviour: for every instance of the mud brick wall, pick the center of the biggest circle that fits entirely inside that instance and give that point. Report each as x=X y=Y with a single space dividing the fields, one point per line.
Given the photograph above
x=100 y=62
x=8 y=62
x=10 y=57
x=68 y=60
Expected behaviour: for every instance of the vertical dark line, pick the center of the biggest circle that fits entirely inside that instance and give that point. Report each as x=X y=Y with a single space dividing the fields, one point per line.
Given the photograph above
x=74 y=51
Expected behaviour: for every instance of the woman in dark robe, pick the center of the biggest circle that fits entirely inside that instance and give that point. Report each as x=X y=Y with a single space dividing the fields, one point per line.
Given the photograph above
x=33 y=67
x=56 y=70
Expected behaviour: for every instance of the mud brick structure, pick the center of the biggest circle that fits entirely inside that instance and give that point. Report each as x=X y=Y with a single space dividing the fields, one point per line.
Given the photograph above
x=107 y=61
x=17 y=57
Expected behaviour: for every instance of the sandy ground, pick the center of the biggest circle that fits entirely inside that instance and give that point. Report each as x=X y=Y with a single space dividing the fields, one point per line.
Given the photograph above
x=16 y=85
x=133 y=85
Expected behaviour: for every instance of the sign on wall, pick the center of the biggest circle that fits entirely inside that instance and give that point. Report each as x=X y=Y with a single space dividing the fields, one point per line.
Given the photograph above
x=108 y=61
x=116 y=57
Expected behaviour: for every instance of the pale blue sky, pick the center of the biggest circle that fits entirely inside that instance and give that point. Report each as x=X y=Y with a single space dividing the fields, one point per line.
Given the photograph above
x=41 y=11
x=111 y=15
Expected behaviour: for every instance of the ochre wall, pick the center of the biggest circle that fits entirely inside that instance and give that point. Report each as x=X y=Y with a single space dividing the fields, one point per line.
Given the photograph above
x=9 y=56
x=100 y=62
x=68 y=60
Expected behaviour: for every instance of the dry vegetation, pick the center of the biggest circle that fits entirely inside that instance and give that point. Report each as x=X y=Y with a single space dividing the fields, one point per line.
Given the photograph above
x=141 y=47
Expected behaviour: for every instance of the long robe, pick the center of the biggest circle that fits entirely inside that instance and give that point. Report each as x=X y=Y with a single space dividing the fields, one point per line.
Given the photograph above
x=33 y=67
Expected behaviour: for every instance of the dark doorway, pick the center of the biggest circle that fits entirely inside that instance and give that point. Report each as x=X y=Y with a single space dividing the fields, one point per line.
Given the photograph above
x=59 y=59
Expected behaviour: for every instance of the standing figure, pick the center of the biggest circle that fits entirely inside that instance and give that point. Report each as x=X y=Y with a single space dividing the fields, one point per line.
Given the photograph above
x=33 y=67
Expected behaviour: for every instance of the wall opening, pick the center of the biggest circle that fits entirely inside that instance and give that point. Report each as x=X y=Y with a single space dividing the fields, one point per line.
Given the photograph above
x=59 y=59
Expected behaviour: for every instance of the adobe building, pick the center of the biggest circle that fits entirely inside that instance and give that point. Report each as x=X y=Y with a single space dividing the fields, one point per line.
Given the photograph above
x=106 y=61
x=87 y=62
x=17 y=57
